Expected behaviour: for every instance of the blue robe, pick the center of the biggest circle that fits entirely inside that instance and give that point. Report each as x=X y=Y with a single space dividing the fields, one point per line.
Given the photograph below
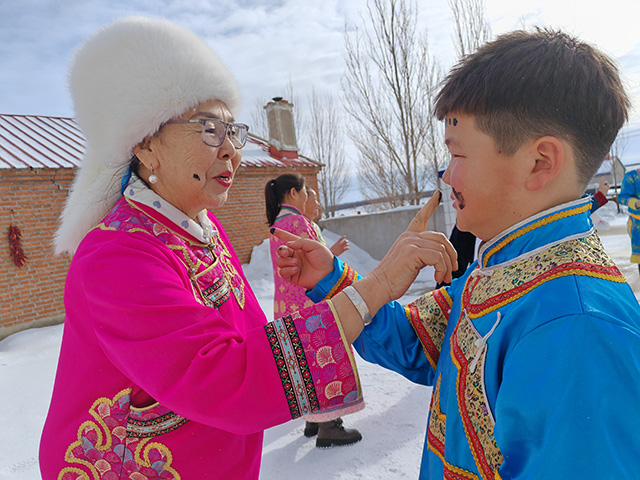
x=629 y=194
x=534 y=356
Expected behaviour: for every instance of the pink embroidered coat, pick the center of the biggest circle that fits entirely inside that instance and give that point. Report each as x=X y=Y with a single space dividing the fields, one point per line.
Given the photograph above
x=288 y=297
x=168 y=368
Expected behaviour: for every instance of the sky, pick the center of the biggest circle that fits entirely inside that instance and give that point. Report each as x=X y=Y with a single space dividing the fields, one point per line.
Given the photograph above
x=267 y=44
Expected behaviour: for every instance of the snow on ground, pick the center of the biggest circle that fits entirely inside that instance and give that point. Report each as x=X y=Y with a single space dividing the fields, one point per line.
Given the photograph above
x=392 y=424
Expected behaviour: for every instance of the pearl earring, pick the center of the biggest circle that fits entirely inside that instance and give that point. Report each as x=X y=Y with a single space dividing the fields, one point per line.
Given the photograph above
x=153 y=178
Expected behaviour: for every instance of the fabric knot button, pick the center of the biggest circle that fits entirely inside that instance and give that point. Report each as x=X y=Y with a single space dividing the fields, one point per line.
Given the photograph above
x=185 y=224
x=156 y=204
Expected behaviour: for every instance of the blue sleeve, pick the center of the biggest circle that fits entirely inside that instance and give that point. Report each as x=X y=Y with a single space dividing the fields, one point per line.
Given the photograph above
x=390 y=340
x=568 y=402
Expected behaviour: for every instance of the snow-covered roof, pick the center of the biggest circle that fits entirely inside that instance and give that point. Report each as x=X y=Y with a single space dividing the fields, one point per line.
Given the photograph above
x=36 y=141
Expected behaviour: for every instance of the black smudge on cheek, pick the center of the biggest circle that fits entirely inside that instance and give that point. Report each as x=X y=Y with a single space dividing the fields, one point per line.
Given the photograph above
x=196 y=176
x=459 y=198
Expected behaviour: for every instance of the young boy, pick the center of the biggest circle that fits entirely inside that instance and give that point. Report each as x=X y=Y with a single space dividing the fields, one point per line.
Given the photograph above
x=534 y=353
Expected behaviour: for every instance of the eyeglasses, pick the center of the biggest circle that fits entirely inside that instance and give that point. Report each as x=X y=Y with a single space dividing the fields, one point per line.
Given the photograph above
x=214 y=131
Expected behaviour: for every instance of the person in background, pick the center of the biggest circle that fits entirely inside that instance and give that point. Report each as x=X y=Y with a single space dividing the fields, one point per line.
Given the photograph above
x=630 y=196
x=168 y=367
x=465 y=245
x=599 y=198
x=313 y=211
x=286 y=197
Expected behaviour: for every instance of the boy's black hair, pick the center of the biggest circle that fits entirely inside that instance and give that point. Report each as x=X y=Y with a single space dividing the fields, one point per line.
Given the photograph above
x=526 y=85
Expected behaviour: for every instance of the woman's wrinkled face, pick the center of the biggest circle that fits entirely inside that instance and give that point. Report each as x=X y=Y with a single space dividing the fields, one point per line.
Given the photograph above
x=192 y=175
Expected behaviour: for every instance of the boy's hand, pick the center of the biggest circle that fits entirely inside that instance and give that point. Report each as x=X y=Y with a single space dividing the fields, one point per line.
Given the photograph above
x=302 y=261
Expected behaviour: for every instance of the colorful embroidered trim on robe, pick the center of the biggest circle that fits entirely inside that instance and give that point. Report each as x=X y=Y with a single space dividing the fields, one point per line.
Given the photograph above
x=152 y=422
x=210 y=268
x=472 y=401
x=436 y=437
x=348 y=277
x=107 y=450
x=546 y=220
x=219 y=292
x=327 y=361
x=576 y=257
x=429 y=316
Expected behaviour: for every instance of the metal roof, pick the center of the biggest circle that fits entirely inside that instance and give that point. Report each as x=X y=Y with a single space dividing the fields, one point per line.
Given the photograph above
x=36 y=141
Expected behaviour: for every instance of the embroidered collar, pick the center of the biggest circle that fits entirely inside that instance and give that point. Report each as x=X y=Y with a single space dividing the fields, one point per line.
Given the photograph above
x=288 y=210
x=203 y=229
x=548 y=228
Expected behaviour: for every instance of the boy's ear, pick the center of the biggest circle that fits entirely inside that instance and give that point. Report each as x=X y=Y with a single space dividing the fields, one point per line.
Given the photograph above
x=550 y=156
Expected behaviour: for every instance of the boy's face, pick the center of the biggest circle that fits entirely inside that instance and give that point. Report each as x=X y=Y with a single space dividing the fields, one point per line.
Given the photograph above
x=486 y=184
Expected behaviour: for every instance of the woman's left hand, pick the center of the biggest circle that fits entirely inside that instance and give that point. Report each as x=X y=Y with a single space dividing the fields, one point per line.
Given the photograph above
x=302 y=261
x=341 y=246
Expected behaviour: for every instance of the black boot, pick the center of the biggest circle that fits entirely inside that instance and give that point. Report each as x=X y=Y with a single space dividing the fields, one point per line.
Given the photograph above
x=311 y=428
x=333 y=433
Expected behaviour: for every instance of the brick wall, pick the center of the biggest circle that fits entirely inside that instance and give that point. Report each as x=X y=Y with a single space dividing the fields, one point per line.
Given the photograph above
x=32 y=200
x=243 y=216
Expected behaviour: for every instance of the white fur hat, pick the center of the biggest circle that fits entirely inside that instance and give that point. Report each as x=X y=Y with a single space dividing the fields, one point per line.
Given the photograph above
x=126 y=81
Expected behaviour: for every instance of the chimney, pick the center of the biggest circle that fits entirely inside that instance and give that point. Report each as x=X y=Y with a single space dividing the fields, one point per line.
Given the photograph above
x=282 y=132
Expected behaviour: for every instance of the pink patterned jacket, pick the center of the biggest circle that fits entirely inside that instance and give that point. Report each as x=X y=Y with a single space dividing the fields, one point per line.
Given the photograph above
x=289 y=298
x=168 y=368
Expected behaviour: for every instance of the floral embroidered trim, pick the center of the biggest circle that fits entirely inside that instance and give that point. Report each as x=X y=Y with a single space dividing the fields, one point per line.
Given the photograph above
x=437 y=423
x=577 y=257
x=154 y=427
x=315 y=363
x=103 y=445
x=436 y=435
x=348 y=277
x=474 y=409
x=429 y=316
x=205 y=263
x=218 y=293
x=532 y=226
x=292 y=366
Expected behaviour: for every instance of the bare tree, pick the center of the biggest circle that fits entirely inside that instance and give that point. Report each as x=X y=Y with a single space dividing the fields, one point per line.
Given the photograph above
x=259 y=125
x=325 y=140
x=471 y=26
x=299 y=114
x=388 y=86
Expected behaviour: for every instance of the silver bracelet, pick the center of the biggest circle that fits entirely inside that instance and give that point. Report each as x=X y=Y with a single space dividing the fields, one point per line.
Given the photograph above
x=359 y=303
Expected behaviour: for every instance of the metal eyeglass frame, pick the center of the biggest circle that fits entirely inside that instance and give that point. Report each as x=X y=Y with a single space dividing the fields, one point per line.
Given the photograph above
x=237 y=141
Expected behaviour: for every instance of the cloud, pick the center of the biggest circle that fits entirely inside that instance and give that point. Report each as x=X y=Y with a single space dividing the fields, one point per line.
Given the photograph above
x=266 y=42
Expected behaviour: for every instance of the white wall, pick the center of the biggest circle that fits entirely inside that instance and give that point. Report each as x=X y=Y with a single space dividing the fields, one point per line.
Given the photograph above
x=376 y=232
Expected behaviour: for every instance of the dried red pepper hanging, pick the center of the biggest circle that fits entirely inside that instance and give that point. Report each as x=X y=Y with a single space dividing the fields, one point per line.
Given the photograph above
x=15 y=237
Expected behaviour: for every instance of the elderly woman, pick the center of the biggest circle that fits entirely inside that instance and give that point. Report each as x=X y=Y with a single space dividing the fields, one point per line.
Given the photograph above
x=168 y=368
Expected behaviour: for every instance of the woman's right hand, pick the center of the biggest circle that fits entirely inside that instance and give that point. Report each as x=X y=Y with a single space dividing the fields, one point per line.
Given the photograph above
x=302 y=261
